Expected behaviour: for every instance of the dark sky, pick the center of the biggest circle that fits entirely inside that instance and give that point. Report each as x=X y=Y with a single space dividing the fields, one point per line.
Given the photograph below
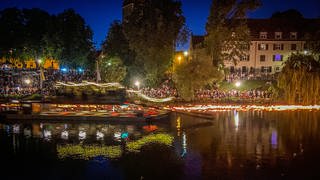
x=100 y=13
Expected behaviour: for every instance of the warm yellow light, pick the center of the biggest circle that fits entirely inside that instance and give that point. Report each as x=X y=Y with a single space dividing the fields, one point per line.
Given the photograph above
x=238 y=84
x=137 y=83
x=27 y=81
x=185 y=53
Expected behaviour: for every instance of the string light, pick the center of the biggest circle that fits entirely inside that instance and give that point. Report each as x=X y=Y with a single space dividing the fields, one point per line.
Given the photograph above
x=214 y=108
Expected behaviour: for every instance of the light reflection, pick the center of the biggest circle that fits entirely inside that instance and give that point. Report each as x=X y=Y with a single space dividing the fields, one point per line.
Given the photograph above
x=47 y=134
x=184 y=144
x=27 y=132
x=178 y=126
x=82 y=135
x=274 y=139
x=100 y=135
x=117 y=135
x=16 y=129
x=65 y=135
x=236 y=120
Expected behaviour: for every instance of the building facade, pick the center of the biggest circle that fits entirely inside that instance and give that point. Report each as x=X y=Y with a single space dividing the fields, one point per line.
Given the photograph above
x=272 y=42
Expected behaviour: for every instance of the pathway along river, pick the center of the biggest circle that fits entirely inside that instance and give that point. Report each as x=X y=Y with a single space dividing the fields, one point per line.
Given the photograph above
x=233 y=145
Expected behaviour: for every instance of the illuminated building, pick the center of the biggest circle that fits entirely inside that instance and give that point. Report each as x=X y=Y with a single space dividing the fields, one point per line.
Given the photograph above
x=272 y=41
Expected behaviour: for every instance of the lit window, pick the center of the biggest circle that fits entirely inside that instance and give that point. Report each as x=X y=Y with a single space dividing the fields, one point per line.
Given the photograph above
x=263 y=46
x=245 y=58
x=293 y=35
x=277 y=57
x=277 y=46
x=263 y=35
x=278 y=35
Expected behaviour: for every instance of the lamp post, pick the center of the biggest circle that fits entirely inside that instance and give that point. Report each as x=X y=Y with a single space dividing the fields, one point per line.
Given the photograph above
x=40 y=74
x=98 y=70
x=185 y=53
x=137 y=83
x=238 y=84
x=27 y=81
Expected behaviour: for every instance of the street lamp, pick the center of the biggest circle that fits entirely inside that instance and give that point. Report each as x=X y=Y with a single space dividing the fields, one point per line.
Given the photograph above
x=27 y=81
x=137 y=83
x=185 y=53
x=39 y=61
x=179 y=59
x=238 y=84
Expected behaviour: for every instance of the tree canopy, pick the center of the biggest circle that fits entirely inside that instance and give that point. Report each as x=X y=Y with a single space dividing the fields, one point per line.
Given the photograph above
x=300 y=79
x=194 y=74
x=117 y=45
x=33 y=33
x=227 y=33
x=112 y=69
x=152 y=29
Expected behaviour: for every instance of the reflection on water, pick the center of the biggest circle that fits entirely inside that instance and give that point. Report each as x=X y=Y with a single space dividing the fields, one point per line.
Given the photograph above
x=232 y=145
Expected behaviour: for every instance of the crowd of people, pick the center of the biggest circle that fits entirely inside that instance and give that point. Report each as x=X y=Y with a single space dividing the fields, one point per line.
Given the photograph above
x=162 y=92
x=15 y=82
x=24 y=83
x=220 y=94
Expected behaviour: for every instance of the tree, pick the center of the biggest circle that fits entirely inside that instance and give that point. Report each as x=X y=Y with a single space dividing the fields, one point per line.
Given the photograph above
x=33 y=33
x=37 y=24
x=300 y=79
x=12 y=31
x=195 y=74
x=112 y=69
x=152 y=29
x=227 y=33
x=117 y=45
x=75 y=38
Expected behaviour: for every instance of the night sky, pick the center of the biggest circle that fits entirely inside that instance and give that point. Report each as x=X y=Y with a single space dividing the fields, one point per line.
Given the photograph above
x=100 y=13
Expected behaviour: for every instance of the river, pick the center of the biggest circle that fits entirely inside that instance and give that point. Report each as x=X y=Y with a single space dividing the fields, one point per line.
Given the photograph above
x=230 y=145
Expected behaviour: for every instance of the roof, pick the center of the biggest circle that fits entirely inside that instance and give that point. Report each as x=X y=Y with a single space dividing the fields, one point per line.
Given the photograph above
x=272 y=25
x=301 y=26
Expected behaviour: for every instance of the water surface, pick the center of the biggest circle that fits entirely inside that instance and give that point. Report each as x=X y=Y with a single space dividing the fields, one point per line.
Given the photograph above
x=231 y=145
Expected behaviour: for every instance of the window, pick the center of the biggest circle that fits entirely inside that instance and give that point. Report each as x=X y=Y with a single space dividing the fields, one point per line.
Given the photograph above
x=263 y=46
x=277 y=46
x=263 y=35
x=262 y=58
x=251 y=70
x=245 y=47
x=277 y=69
x=277 y=57
x=278 y=35
x=245 y=58
x=293 y=47
x=269 y=69
x=293 y=35
x=231 y=69
x=244 y=69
